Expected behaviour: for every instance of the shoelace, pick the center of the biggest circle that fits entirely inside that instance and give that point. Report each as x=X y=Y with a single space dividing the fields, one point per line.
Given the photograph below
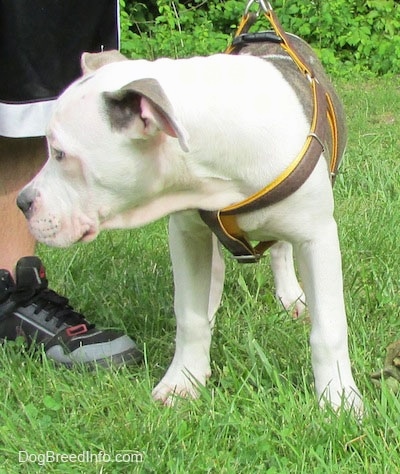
x=57 y=307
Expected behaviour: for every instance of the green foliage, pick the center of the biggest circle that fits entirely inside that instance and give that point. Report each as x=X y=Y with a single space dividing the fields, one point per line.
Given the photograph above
x=175 y=31
x=355 y=35
x=360 y=34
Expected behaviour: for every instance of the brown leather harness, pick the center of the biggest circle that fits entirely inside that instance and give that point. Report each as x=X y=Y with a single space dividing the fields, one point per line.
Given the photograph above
x=223 y=222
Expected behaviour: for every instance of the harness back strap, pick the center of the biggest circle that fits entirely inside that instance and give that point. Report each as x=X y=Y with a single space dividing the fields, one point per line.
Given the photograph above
x=223 y=222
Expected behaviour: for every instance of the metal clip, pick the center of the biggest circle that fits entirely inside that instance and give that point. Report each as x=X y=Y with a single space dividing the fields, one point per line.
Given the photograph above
x=247 y=258
x=264 y=6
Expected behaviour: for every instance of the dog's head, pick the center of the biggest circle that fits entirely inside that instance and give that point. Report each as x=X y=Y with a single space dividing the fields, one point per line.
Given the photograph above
x=105 y=147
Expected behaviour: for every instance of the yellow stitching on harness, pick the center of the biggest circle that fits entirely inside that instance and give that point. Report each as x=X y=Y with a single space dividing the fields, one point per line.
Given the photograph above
x=334 y=130
x=231 y=229
x=276 y=26
x=287 y=172
x=242 y=25
x=231 y=226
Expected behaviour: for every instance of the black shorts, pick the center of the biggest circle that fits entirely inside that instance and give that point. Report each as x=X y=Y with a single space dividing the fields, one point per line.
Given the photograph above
x=41 y=42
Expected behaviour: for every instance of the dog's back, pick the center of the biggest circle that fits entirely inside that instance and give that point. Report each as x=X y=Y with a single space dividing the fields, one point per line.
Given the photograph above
x=275 y=54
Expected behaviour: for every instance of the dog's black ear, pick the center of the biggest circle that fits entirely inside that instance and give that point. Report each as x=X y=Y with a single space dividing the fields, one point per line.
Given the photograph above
x=122 y=107
x=144 y=99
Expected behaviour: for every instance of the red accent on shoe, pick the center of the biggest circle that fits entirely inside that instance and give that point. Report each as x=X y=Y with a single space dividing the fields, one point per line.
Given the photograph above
x=42 y=272
x=76 y=330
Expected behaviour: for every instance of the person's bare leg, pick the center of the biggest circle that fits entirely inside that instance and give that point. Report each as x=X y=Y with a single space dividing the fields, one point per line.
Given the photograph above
x=21 y=159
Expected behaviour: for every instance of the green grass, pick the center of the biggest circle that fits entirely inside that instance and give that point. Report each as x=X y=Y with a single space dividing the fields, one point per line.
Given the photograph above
x=258 y=412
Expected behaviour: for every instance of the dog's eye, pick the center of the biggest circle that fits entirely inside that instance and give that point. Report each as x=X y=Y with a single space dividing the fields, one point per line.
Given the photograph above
x=59 y=155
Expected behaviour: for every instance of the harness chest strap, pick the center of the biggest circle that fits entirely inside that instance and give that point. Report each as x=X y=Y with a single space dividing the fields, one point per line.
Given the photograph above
x=223 y=222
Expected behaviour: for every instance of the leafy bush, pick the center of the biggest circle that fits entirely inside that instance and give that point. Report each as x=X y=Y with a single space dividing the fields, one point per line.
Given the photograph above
x=361 y=34
x=348 y=35
x=177 y=30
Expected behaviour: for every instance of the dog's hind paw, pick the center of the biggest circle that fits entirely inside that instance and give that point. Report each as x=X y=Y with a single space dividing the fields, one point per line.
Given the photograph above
x=349 y=399
x=295 y=306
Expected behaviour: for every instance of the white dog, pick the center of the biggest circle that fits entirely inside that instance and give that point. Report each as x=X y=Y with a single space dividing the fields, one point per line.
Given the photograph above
x=136 y=140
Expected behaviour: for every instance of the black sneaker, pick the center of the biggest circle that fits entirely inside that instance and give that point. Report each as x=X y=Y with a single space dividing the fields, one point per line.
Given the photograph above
x=30 y=309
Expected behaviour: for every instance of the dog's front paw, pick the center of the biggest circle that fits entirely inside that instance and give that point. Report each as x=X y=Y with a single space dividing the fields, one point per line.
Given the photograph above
x=179 y=382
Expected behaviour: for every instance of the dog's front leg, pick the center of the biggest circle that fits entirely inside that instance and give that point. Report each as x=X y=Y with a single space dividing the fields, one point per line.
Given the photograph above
x=198 y=269
x=321 y=271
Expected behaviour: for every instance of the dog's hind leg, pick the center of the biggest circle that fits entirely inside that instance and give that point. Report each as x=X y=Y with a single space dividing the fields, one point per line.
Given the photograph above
x=320 y=268
x=287 y=288
x=198 y=269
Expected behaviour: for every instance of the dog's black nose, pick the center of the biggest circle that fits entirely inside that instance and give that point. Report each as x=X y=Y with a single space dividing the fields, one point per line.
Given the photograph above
x=25 y=201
